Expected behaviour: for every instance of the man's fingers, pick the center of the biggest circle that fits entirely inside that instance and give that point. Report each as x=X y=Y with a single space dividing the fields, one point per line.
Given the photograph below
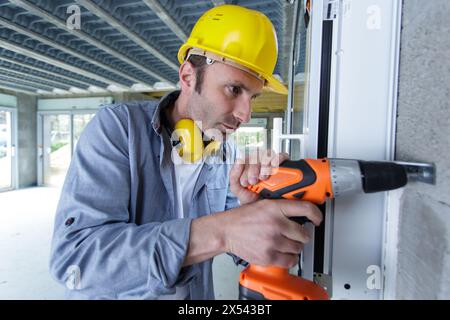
x=236 y=172
x=296 y=232
x=270 y=161
x=290 y=246
x=291 y=208
x=278 y=159
x=251 y=170
x=251 y=173
x=266 y=167
x=285 y=260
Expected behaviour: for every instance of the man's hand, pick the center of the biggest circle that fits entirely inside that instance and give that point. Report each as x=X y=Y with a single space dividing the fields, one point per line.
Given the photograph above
x=262 y=233
x=251 y=170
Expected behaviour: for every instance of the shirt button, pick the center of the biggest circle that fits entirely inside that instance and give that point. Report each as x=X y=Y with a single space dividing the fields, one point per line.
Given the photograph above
x=69 y=221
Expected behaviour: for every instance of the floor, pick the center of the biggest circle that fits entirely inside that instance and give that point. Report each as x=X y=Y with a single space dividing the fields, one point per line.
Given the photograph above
x=26 y=227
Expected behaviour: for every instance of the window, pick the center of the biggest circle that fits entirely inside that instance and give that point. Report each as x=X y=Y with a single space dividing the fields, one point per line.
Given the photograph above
x=6 y=149
x=60 y=134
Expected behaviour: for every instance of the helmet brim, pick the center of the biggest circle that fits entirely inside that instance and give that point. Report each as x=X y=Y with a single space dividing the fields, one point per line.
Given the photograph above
x=273 y=84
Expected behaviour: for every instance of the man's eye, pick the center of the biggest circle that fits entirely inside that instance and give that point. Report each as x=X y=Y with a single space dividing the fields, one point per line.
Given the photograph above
x=235 y=90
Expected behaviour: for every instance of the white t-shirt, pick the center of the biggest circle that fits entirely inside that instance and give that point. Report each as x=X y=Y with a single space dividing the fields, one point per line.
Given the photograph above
x=185 y=175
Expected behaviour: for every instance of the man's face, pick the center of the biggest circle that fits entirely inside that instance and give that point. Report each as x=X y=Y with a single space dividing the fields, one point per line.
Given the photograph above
x=224 y=102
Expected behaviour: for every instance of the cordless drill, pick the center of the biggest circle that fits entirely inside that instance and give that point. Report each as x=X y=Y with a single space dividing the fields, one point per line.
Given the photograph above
x=313 y=180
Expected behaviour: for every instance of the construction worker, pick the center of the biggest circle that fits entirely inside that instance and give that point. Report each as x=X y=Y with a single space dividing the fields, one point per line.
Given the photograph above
x=133 y=223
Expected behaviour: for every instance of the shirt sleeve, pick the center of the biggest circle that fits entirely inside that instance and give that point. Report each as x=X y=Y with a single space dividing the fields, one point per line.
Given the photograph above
x=113 y=257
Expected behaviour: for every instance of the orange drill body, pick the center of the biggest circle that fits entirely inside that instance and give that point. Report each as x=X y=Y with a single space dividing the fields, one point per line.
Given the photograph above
x=307 y=180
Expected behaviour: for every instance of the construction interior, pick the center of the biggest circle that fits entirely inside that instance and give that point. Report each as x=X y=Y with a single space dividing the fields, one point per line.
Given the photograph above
x=369 y=81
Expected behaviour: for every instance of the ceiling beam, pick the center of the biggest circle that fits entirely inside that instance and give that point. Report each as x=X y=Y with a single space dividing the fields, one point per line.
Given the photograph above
x=30 y=53
x=25 y=82
x=37 y=79
x=17 y=28
x=165 y=17
x=48 y=73
x=82 y=35
x=105 y=16
x=7 y=86
x=218 y=2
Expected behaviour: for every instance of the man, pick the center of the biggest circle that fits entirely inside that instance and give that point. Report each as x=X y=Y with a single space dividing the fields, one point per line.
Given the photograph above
x=132 y=224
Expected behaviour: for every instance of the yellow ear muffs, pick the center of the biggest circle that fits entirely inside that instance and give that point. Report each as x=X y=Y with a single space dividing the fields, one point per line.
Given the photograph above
x=192 y=148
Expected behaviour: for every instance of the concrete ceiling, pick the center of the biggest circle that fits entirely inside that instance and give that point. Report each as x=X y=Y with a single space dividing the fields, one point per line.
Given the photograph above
x=119 y=45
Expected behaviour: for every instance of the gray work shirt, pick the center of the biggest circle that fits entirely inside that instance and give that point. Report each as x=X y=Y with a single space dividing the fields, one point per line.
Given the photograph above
x=116 y=233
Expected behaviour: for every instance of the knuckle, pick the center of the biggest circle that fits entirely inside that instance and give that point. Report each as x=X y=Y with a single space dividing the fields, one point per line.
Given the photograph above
x=311 y=210
x=265 y=170
x=308 y=206
x=305 y=240
x=256 y=167
x=297 y=247
x=288 y=260
x=306 y=234
x=276 y=259
x=268 y=256
x=305 y=237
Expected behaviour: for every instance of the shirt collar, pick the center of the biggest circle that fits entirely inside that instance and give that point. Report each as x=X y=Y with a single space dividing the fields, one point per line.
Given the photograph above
x=165 y=102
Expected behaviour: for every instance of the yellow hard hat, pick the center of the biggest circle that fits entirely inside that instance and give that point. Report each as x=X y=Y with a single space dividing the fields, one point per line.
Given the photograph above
x=237 y=36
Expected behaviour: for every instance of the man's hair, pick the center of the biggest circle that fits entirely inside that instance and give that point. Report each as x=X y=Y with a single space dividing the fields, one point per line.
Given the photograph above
x=199 y=63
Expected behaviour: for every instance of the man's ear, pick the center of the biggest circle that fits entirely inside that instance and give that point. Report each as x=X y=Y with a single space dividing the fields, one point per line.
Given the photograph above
x=187 y=76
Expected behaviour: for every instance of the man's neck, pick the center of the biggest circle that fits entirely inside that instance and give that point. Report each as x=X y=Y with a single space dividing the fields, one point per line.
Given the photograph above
x=177 y=111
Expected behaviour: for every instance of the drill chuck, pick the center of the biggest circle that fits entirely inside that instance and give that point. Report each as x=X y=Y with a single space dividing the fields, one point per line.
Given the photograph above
x=382 y=176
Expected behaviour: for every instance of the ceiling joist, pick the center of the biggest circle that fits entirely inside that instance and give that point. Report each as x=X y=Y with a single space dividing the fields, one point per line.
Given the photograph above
x=85 y=37
x=33 y=35
x=37 y=56
x=165 y=17
x=49 y=74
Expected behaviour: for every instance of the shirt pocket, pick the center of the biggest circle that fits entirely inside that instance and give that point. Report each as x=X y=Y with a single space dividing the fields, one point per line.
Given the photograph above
x=216 y=192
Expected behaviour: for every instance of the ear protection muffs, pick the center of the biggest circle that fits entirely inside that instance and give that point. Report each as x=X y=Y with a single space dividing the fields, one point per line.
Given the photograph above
x=189 y=141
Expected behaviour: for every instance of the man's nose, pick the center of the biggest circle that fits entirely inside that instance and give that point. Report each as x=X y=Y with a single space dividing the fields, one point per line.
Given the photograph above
x=243 y=110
